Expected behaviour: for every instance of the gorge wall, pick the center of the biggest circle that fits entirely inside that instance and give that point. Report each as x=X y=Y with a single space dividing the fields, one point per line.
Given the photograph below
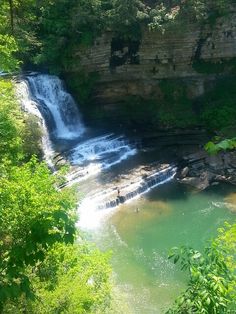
x=191 y=54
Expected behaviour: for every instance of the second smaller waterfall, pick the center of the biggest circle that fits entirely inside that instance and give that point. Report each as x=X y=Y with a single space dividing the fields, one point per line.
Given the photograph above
x=102 y=203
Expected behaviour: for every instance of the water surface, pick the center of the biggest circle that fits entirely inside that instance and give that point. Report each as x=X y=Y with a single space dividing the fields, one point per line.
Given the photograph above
x=171 y=215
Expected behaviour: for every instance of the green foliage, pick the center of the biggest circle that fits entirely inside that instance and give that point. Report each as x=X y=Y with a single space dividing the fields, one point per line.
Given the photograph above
x=208 y=288
x=216 y=117
x=8 y=44
x=72 y=279
x=42 y=270
x=20 y=24
x=208 y=10
x=11 y=125
x=226 y=144
x=149 y=114
x=56 y=35
x=226 y=241
x=205 y=11
x=124 y=17
x=168 y=14
x=32 y=137
x=123 y=12
x=20 y=133
x=69 y=26
x=8 y=48
x=65 y=27
x=176 y=109
x=218 y=106
x=207 y=67
x=162 y=17
x=81 y=84
x=139 y=113
x=34 y=216
x=52 y=32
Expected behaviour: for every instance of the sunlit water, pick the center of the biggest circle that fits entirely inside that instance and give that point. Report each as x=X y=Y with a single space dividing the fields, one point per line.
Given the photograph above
x=169 y=216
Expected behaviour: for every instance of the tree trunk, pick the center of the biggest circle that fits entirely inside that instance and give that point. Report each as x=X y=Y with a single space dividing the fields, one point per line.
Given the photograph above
x=11 y=15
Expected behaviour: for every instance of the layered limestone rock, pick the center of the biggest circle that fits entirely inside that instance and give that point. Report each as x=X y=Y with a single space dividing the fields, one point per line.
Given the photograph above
x=201 y=170
x=135 y=68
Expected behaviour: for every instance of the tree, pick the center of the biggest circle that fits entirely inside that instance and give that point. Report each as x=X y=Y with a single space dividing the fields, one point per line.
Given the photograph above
x=8 y=49
x=33 y=216
x=211 y=285
x=161 y=17
x=72 y=279
x=226 y=242
x=42 y=270
x=66 y=27
x=11 y=125
x=11 y=15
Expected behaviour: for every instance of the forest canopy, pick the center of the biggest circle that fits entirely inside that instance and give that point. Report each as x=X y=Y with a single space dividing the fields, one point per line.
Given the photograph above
x=49 y=32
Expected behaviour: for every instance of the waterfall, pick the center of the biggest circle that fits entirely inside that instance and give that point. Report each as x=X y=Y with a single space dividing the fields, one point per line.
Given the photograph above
x=57 y=105
x=45 y=97
x=88 y=156
x=143 y=186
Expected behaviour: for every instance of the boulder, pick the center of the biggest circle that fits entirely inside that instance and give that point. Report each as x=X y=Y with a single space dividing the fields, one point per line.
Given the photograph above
x=201 y=154
x=199 y=183
x=215 y=162
x=232 y=159
x=184 y=172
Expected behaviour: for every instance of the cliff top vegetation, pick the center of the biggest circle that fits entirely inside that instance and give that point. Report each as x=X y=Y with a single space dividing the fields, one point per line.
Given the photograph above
x=49 y=33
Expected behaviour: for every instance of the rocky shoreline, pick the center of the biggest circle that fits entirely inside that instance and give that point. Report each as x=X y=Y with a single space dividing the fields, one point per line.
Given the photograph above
x=201 y=170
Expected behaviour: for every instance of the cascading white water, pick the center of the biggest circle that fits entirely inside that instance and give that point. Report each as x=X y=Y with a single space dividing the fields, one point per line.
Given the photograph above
x=97 y=148
x=29 y=106
x=48 y=91
x=97 y=154
x=48 y=100
x=59 y=109
x=92 y=156
x=94 y=208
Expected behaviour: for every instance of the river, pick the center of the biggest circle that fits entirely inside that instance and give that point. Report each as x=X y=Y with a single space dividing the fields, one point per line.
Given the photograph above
x=130 y=202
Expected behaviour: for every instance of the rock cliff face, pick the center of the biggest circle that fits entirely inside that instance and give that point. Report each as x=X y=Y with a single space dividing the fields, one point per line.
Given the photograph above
x=135 y=68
